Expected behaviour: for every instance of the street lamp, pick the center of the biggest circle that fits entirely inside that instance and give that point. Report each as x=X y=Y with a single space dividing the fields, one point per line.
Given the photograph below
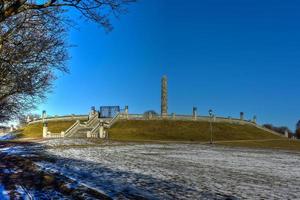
x=210 y=112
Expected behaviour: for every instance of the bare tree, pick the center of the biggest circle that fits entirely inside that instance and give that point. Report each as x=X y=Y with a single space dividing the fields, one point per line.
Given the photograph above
x=33 y=47
x=22 y=119
x=280 y=129
x=94 y=10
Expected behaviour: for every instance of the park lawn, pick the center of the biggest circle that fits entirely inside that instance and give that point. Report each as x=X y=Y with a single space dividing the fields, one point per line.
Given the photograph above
x=193 y=131
x=36 y=130
x=284 y=144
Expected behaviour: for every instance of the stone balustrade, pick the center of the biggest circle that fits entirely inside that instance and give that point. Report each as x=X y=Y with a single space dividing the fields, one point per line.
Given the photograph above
x=61 y=118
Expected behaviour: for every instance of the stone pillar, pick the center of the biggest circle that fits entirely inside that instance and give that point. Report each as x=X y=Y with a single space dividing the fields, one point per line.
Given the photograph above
x=215 y=118
x=92 y=112
x=28 y=119
x=173 y=116
x=62 y=134
x=286 y=133
x=45 y=130
x=101 y=130
x=242 y=116
x=126 y=112
x=11 y=128
x=164 y=97
x=254 y=119
x=194 y=113
x=44 y=115
x=88 y=134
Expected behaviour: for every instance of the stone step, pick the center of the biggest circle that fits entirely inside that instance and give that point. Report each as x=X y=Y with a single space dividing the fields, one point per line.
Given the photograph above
x=81 y=133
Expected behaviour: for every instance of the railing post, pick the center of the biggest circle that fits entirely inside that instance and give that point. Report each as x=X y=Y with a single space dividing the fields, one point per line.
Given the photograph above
x=254 y=119
x=101 y=130
x=44 y=115
x=242 y=116
x=195 y=113
x=126 y=112
x=88 y=134
x=45 y=129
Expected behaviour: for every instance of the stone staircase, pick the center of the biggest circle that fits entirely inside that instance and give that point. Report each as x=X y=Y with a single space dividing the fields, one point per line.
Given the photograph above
x=81 y=132
x=92 y=126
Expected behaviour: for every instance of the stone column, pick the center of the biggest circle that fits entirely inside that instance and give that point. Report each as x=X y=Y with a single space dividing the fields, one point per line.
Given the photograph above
x=254 y=119
x=101 y=130
x=88 y=134
x=173 y=116
x=45 y=129
x=286 y=133
x=92 y=112
x=11 y=128
x=126 y=112
x=242 y=116
x=194 y=113
x=164 y=97
x=44 y=115
x=28 y=119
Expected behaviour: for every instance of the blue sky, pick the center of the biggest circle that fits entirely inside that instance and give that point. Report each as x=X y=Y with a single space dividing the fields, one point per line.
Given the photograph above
x=228 y=55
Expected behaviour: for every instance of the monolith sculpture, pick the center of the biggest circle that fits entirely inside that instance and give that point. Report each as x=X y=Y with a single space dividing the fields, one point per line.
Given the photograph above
x=164 y=97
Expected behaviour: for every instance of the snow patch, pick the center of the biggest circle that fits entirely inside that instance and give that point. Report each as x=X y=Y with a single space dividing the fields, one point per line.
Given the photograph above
x=185 y=171
x=3 y=193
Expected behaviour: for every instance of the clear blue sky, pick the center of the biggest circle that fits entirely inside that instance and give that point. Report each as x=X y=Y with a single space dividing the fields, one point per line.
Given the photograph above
x=228 y=55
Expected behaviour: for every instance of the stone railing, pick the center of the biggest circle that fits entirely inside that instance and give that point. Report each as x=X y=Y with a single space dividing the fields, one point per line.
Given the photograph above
x=95 y=122
x=184 y=118
x=70 y=130
x=114 y=120
x=269 y=130
x=92 y=135
x=92 y=120
x=196 y=118
x=61 y=118
x=55 y=135
x=95 y=129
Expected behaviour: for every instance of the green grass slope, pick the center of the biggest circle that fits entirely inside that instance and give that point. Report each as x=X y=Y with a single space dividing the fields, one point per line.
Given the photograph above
x=137 y=130
x=36 y=130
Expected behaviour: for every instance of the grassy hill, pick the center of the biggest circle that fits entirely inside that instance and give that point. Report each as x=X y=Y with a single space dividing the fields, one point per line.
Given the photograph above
x=225 y=134
x=137 y=130
x=36 y=130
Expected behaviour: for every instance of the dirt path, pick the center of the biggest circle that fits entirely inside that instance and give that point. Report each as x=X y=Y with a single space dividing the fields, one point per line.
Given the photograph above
x=20 y=178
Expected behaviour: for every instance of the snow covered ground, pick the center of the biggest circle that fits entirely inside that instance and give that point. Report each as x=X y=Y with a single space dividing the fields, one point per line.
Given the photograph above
x=7 y=136
x=179 y=171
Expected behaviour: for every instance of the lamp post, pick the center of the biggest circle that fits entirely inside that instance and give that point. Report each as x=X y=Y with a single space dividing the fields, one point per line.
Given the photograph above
x=210 y=112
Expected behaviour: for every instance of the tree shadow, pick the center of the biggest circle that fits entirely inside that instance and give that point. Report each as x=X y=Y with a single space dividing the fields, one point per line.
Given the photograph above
x=59 y=177
x=121 y=183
